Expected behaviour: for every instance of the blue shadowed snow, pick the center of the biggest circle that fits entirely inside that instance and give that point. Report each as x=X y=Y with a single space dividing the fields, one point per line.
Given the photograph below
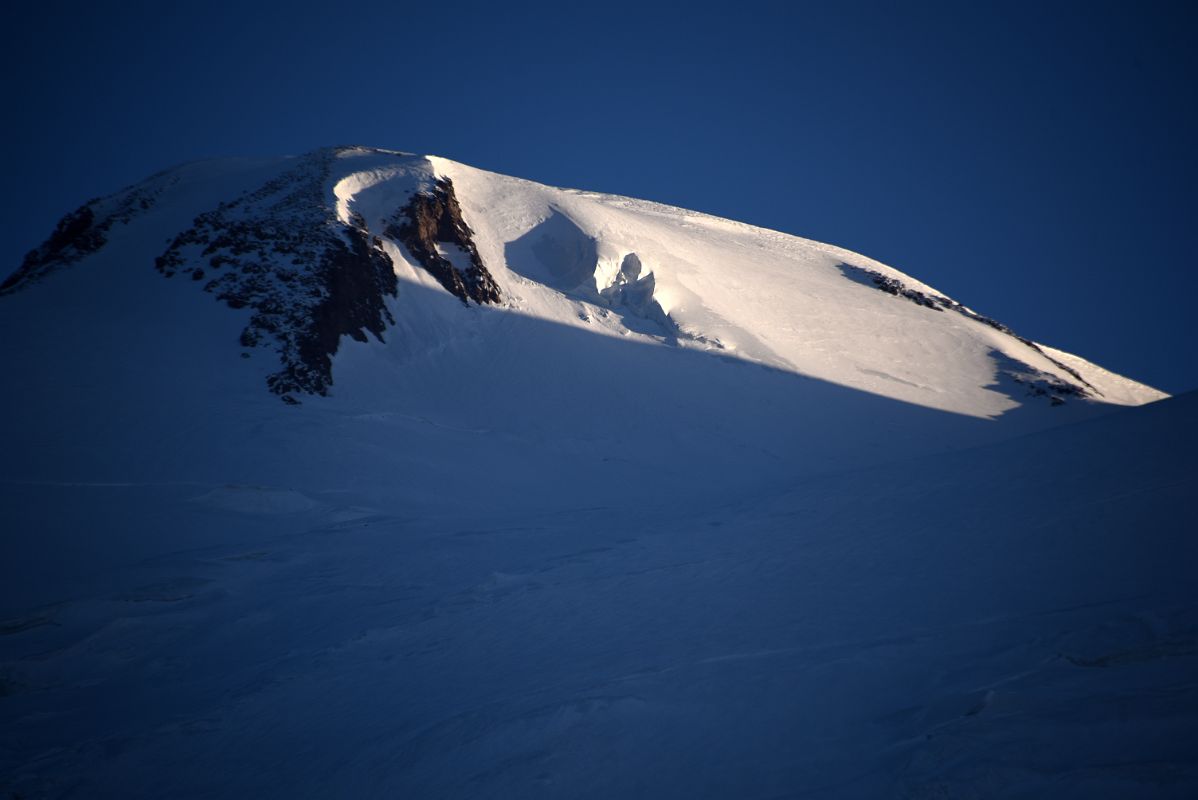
x=1016 y=620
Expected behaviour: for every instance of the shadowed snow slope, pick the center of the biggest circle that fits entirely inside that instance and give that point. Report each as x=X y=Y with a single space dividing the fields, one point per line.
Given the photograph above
x=1017 y=620
x=692 y=509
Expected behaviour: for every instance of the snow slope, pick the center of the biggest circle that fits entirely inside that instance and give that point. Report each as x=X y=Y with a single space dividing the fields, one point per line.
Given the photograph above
x=695 y=509
x=1014 y=621
x=625 y=267
x=732 y=288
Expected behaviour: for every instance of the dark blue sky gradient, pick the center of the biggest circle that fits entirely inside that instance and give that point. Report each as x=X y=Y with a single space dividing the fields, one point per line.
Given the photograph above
x=1034 y=160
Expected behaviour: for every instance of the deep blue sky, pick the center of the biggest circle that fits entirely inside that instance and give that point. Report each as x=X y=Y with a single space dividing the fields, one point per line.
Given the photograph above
x=1034 y=160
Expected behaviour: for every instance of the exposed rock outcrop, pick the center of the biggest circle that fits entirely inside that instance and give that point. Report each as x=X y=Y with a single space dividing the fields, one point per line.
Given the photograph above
x=85 y=230
x=281 y=251
x=74 y=237
x=1041 y=384
x=308 y=277
x=1037 y=383
x=431 y=227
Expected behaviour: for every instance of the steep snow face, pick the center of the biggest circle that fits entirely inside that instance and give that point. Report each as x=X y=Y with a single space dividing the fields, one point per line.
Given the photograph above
x=599 y=263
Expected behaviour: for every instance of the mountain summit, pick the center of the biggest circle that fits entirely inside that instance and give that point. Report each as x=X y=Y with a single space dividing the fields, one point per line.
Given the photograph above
x=311 y=249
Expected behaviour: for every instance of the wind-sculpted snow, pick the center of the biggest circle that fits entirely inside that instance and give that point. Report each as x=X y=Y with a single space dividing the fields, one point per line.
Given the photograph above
x=560 y=255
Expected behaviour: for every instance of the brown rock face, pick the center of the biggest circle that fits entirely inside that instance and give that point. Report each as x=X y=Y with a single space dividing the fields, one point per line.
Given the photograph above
x=356 y=278
x=307 y=277
x=436 y=218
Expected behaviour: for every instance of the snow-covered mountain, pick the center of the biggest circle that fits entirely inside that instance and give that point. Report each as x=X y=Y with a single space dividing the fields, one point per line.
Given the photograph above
x=411 y=479
x=314 y=248
x=387 y=296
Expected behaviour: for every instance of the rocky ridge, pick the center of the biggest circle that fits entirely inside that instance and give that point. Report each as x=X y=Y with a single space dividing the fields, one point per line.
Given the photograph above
x=431 y=226
x=307 y=276
x=86 y=229
x=1037 y=382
